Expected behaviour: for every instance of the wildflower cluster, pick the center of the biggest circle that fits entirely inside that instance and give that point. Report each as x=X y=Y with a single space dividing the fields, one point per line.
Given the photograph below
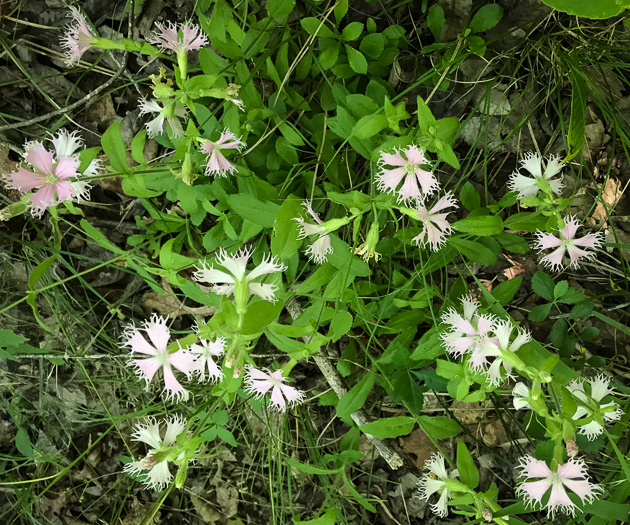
x=482 y=340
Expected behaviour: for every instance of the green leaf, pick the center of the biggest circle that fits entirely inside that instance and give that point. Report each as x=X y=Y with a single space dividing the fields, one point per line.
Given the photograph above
x=446 y=153
x=373 y=45
x=540 y=312
x=357 y=61
x=280 y=9
x=469 y=197
x=340 y=10
x=466 y=467
x=355 y=398
x=330 y=516
x=543 y=285
x=389 y=427
x=340 y=324
x=505 y=291
x=582 y=310
x=486 y=18
x=512 y=242
x=426 y=120
x=351 y=199
x=429 y=347
x=287 y=151
x=474 y=251
x=259 y=315
x=309 y=469
x=438 y=427
x=481 y=226
x=135 y=185
x=313 y=26
x=588 y=8
x=369 y=126
x=137 y=146
x=435 y=20
x=284 y=240
x=352 y=31
x=23 y=443
x=114 y=147
x=560 y=289
x=525 y=221
x=253 y=209
x=577 y=123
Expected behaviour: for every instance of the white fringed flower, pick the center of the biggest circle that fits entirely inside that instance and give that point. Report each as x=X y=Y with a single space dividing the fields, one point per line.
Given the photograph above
x=591 y=413
x=205 y=351
x=166 y=113
x=530 y=186
x=236 y=264
x=159 y=474
x=436 y=481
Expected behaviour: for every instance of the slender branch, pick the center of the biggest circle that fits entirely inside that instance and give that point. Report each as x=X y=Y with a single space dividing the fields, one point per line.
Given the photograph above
x=360 y=417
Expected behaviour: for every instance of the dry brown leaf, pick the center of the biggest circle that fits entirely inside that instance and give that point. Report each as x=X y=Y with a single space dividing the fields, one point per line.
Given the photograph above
x=227 y=497
x=611 y=194
x=418 y=444
x=493 y=434
x=171 y=307
x=206 y=511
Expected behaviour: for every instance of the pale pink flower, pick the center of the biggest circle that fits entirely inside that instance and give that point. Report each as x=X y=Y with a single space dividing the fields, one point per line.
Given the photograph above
x=52 y=173
x=436 y=481
x=566 y=243
x=591 y=413
x=224 y=283
x=158 y=475
x=572 y=475
x=418 y=183
x=166 y=113
x=167 y=37
x=217 y=163
x=503 y=331
x=469 y=335
x=160 y=358
x=258 y=382
x=530 y=186
x=78 y=37
x=205 y=351
x=321 y=248
x=435 y=227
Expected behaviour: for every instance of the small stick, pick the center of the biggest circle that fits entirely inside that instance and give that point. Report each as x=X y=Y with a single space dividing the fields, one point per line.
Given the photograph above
x=360 y=417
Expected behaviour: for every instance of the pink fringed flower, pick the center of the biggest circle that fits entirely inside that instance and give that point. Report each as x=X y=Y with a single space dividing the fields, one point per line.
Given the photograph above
x=160 y=358
x=158 y=475
x=567 y=244
x=52 y=173
x=167 y=113
x=572 y=475
x=217 y=163
x=435 y=227
x=469 y=335
x=167 y=37
x=205 y=351
x=259 y=383
x=225 y=283
x=530 y=186
x=418 y=183
x=436 y=481
x=78 y=37
x=321 y=248
x=591 y=413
